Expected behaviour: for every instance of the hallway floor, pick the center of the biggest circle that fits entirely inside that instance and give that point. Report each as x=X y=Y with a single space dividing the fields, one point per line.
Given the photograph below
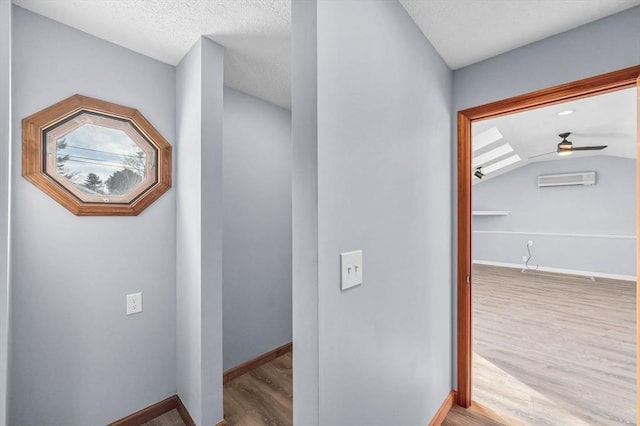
x=261 y=397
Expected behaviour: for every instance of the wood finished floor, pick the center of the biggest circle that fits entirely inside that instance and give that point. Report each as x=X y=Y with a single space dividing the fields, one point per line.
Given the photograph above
x=459 y=416
x=170 y=418
x=262 y=397
x=554 y=349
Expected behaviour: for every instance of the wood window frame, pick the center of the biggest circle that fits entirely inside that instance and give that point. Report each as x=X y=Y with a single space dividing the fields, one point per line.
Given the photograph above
x=613 y=81
x=34 y=158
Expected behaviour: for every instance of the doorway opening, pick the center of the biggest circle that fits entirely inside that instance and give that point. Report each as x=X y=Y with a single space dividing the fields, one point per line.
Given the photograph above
x=606 y=83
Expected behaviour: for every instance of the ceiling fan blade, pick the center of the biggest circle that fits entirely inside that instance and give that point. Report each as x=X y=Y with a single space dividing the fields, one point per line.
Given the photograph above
x=540 y=155
x=589 y=148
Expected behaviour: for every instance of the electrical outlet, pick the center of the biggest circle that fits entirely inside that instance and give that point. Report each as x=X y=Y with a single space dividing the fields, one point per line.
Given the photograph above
x=530 y=243
x=134 y=303
x=524 y=258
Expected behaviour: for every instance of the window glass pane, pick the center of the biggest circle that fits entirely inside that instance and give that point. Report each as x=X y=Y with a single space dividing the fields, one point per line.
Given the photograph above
x=100 y=160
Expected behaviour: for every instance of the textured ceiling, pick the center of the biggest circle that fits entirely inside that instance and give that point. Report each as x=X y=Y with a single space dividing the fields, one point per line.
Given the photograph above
x=468 y=31
x=257 y=33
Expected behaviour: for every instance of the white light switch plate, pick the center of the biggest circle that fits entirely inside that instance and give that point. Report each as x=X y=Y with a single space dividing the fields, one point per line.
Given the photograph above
x=350 y=269
x=134 y=303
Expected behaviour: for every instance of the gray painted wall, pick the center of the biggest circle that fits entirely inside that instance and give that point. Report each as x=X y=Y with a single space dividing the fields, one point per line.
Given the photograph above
x=5 y=186
x=304 y=134
x=198 y=175
x=602 y=46
x=212 y=78
x=597 y=213
x=609 y=44
x=257 y=227
x=77 y=359
x=188 y=229
x=383 y=138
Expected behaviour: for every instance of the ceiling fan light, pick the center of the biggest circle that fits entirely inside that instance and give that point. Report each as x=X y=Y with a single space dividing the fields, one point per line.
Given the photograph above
x=565 y=147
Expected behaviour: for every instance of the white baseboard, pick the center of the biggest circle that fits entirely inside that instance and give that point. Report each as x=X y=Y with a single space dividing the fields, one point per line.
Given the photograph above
x=559 y=270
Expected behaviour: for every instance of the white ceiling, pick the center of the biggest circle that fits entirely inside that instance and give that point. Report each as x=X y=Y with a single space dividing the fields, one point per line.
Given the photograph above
x=257 y=33
x=608 y=119
x=469 y=31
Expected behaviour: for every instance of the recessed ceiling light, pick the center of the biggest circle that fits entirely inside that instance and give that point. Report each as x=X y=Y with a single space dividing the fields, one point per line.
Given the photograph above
x=567 y=112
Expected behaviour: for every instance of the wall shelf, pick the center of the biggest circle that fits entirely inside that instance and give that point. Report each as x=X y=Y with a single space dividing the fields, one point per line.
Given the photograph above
x=490 y=212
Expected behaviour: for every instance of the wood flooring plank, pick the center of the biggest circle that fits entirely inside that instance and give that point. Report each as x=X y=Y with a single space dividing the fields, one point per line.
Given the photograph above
x=554 y=349
x=170 y=418
x=459 y=416
x=261 y=397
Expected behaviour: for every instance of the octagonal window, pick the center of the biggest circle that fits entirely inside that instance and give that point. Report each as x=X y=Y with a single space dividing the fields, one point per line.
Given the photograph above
x=94 y=157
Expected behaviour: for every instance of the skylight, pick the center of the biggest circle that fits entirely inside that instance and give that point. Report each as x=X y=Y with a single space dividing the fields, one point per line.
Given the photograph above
x=500 y=164
x=485 y=138
x=492 y=155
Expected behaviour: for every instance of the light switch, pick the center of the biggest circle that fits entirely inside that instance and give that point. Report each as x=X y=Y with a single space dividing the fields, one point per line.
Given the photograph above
x=350 y=269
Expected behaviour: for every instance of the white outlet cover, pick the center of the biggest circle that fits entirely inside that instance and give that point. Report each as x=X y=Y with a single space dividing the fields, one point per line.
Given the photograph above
x=134 y=303
x=351 y=272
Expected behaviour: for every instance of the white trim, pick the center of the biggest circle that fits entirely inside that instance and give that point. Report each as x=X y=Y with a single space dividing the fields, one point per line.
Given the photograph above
x=560 y=234
x=490 y=212
x=559 y=270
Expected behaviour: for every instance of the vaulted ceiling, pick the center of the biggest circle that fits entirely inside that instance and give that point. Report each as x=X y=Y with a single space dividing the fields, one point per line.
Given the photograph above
x=257 y=33
x=608 y=119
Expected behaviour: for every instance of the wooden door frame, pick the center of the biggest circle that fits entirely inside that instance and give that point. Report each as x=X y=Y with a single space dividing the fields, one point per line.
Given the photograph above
x=625 y=78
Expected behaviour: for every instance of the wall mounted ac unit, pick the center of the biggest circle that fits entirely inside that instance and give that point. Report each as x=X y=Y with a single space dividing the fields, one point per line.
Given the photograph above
x=567 y=179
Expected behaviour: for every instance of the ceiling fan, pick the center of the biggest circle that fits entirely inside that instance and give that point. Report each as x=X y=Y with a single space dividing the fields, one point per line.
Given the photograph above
x=566 y=147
